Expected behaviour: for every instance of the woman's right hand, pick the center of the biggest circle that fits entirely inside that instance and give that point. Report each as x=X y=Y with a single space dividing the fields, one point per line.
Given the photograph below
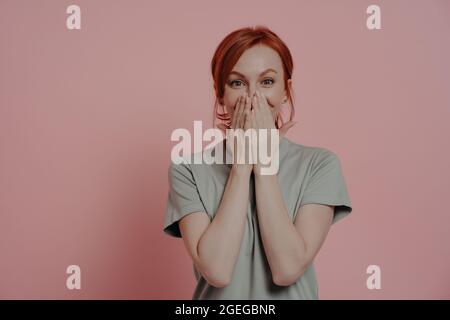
x=236 y=141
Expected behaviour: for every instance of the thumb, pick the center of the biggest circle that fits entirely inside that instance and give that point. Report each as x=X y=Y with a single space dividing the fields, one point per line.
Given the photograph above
x=222 y=126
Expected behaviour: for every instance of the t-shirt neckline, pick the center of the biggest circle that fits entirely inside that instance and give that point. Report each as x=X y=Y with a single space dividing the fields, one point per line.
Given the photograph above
x=283 y=148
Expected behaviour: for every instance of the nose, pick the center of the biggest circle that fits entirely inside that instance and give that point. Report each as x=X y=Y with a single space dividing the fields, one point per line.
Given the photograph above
x=251 y=90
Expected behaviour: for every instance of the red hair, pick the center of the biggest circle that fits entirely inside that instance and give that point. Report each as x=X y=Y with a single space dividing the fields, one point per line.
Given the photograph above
x=228 y=53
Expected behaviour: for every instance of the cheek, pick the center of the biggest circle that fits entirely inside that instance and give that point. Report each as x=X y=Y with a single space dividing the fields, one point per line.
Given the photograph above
x=230 y=99
x=274 y=98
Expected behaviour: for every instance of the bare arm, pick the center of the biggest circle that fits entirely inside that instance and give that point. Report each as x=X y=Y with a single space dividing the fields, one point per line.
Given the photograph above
x=214 y=246
x=289 y=247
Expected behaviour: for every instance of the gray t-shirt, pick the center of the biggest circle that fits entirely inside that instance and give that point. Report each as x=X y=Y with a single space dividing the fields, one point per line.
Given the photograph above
x=306 y=175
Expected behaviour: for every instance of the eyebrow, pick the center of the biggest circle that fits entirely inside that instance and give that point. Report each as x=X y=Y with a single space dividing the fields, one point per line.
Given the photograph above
x=262 y=73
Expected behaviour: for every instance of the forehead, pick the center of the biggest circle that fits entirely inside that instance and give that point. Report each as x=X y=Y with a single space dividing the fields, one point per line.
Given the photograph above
x=257 y=59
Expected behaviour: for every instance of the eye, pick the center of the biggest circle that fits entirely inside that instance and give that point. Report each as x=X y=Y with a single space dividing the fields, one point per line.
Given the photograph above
x=234 y=83
x=268 y=81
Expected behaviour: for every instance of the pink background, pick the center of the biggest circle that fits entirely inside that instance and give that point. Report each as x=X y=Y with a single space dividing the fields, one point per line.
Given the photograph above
x=86 y=118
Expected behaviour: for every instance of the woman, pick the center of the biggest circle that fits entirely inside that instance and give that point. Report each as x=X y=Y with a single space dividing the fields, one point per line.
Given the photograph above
x=254 y=236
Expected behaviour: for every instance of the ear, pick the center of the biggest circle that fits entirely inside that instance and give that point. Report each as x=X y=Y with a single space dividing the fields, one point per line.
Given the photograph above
x=289 y=83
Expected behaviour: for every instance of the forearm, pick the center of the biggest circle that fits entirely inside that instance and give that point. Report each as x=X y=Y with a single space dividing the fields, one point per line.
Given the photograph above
x=219 y=246
x=283 y=244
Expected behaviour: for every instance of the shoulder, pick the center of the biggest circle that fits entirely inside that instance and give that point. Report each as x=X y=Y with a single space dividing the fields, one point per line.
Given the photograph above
x=180 y=169
x=311 y=154
x=191 y=166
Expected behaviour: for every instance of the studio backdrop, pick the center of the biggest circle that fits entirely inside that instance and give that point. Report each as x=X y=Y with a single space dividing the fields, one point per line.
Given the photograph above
x=91 y=92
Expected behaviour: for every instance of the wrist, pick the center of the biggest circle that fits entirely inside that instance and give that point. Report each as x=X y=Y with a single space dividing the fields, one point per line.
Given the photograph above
x=258 y=175
x=241 y=172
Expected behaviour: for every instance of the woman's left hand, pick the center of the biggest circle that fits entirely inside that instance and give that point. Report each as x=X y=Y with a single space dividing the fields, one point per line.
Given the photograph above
x=262 y=118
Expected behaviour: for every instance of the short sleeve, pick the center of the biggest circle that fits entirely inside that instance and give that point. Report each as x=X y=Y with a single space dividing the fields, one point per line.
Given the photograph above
x=326 y=185
x=183 y=197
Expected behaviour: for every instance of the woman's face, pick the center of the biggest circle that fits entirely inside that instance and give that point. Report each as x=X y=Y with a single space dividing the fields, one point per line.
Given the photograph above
x=258 y=68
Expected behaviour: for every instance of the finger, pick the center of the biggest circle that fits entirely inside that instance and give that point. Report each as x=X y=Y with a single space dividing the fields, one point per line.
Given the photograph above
x=265 y=109
x=260 y=97
x=253 y=119
x=257 y=113
x=237 y=110
x=240 y=121
x=254 y=126
x=255 y=101
x=233 y=117
x=263 y=103
x=248 y=108
x=248 y=102
x=247 y=118
x=240 y=113
x=247 y=121
x=241 y=116
x=229 y=134
x=222 y=126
